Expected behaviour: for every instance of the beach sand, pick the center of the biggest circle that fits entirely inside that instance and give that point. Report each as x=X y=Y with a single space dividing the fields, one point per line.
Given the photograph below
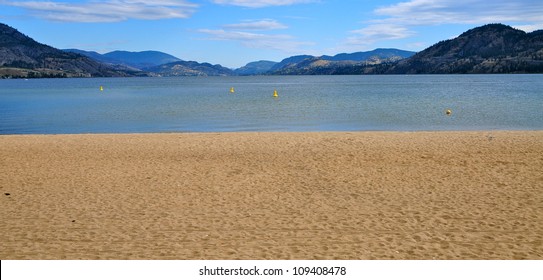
x=326 y=195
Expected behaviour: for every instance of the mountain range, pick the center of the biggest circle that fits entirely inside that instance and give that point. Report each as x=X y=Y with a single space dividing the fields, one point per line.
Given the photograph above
x=493 y=48
x=189 y=68
x=136 y=60
x=339 y=64
x=256 y=67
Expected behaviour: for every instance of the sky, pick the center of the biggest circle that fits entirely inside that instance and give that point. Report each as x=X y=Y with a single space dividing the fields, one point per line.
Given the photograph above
x=235 y=32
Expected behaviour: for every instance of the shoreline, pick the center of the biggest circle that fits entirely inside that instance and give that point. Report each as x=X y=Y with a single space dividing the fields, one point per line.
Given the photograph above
x=276 y=132
x=273 y=195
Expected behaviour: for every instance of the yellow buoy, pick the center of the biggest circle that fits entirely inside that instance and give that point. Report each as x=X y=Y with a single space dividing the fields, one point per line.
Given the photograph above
x=101 y=88
x=232 y=90
x=448 y=112
x=275 y=93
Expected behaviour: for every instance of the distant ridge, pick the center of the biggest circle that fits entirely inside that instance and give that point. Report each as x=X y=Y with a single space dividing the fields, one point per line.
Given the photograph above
x=142 y=59
x=190 y=68
x=137 y=60
x=255 y=68
x=363 y=56
x=156 y=63
x=289 y=62
x=339 y=64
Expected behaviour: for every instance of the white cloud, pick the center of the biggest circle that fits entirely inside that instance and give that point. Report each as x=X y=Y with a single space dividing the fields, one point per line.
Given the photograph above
x=398 y=20
x=378 y=32
x=260 y=3
x=245 y=33
x=529 y=27
x=436 y=12
x=265 y=24
x=279 y=42
x=106 y=10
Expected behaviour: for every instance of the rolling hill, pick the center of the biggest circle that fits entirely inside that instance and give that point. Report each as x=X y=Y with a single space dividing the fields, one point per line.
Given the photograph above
x=353 y=63
x=190 y=68
x=256 y=68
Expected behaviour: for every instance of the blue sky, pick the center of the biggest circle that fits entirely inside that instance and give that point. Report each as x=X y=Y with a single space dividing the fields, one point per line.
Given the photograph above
x=235 y=32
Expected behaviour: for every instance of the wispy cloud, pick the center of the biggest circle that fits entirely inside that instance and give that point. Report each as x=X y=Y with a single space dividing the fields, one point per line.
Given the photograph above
x=378 y=32
x=279 y=42
x=257 y=34
x=397 y=21
x=265 y=24
x=106 y=10
x=427 y=12
x=261 y=3
x=530 y=27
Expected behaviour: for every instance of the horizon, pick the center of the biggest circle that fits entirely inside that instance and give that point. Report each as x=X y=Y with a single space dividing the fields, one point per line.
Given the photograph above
x=234 y=33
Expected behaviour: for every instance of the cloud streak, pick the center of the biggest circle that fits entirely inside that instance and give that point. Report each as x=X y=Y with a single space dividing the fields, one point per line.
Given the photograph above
x=278 y=42
x=106 y=10
x=256 y=34
x=261 y=3
x=246 y=33
x=398 y=20
x=378 y=32
x=435 y=12
x=265 y=24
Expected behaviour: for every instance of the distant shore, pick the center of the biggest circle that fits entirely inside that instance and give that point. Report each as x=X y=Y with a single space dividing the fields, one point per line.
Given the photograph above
x=323 y=195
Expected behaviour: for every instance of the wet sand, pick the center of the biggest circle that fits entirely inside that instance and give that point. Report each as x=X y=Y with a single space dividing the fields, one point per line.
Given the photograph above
x=326 y=195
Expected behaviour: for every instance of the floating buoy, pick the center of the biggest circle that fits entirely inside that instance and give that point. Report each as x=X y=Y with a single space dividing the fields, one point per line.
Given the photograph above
x=448 y=112
x=275 y=93
x=232 y=90
x=101 y=88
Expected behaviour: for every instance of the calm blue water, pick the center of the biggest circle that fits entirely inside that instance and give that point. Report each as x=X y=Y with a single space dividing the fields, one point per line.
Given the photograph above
x=305 y=103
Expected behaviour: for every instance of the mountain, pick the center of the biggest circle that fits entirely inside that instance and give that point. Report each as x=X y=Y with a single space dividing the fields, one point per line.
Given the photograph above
x=255 y=68
x=354 y=63
x=492 y=48
x=362 y=56
x=141 y=60
x=111 y=63
x=21 y=56
x=137 y=60
x=190 y=68
x=289 y=62
x=156 y=63
x=94 y=55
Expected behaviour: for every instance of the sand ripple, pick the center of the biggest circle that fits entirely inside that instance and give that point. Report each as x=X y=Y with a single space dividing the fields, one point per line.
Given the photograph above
x=367 y=195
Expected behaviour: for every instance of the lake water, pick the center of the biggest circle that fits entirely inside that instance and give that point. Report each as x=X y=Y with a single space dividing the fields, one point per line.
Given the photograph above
x=305 y=103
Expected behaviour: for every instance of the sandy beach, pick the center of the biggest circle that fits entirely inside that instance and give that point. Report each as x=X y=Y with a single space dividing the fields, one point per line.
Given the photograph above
x=326 y=195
